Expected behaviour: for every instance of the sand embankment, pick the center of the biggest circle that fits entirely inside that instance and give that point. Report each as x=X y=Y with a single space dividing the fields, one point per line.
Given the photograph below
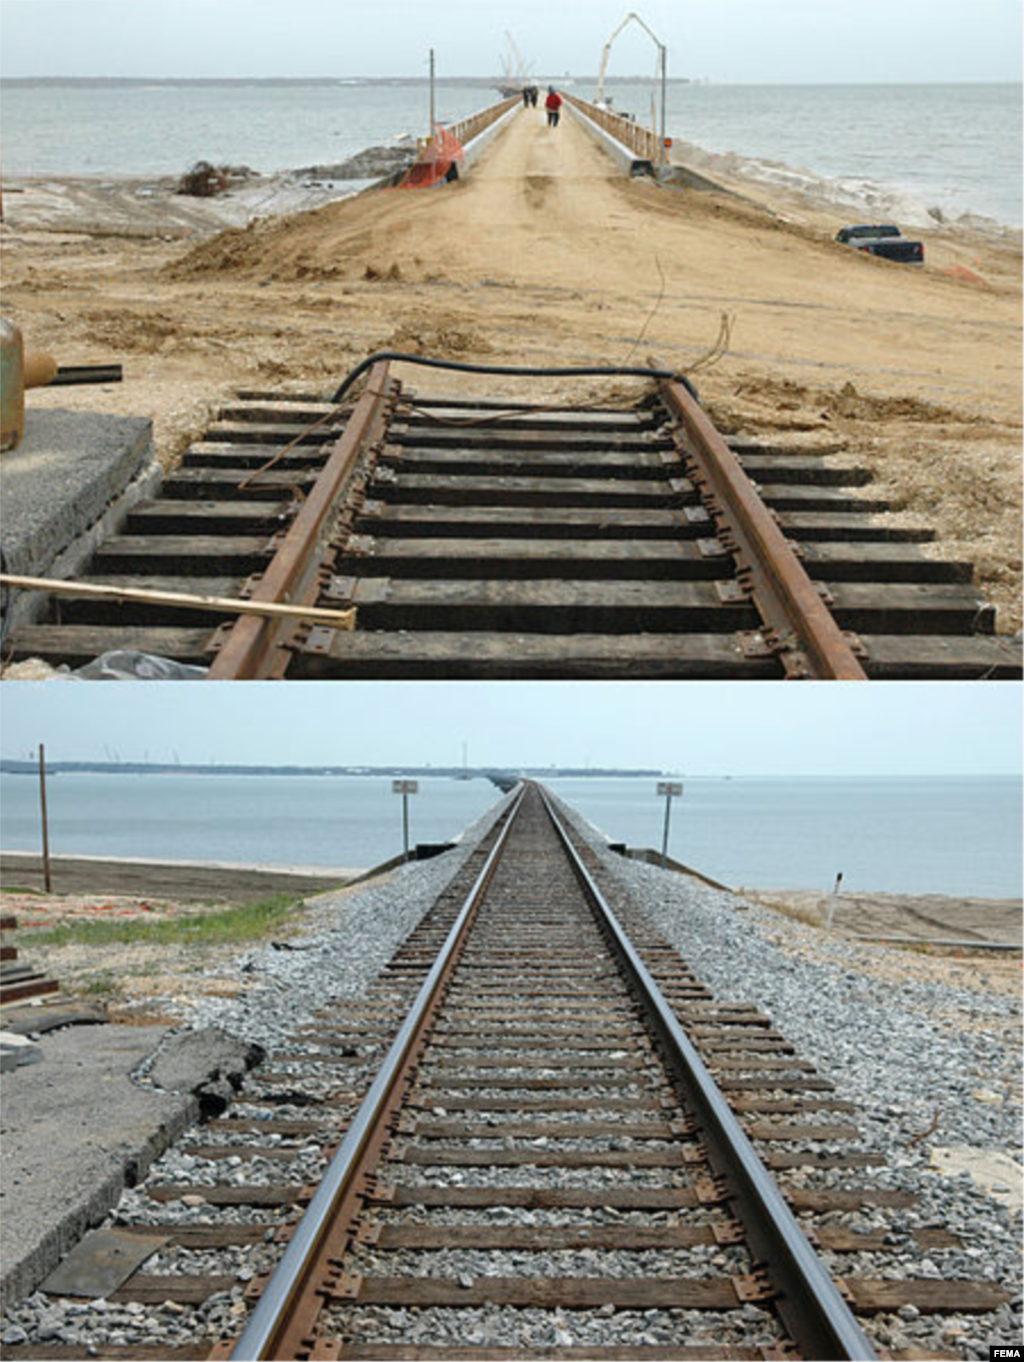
x=544 y=254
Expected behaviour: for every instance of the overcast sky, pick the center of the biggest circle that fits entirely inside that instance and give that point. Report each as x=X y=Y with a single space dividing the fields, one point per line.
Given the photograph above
x=797 y=41
x=727 y=729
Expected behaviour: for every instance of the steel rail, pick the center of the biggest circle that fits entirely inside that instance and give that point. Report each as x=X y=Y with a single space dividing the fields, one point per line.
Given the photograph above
x=800 y=628
x=248 y=653
x=268 y=1331
x=808 y=1301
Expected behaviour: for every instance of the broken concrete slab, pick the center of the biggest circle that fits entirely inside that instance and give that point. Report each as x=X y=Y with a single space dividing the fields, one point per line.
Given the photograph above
x=69 y=483
x=83 y=1125
x=209 y=1064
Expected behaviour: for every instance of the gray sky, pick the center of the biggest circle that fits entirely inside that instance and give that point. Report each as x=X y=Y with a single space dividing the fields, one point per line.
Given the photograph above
x=734 y=729
x=769 y=41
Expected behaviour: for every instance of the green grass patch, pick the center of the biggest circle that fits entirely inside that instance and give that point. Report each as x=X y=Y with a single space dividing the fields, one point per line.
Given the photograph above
x=219 y=927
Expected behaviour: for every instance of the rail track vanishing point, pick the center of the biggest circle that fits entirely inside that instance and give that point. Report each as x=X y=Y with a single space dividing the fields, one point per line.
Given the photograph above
x=540 y=1124
x=483 y=538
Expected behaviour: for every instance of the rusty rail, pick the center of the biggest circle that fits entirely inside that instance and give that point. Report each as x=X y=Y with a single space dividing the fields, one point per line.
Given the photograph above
x=798 y=628
x=286 y=1311
x=640 y=140
x=254 y=647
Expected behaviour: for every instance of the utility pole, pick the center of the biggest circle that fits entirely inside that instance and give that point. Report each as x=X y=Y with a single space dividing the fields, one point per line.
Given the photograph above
x=42 y=807
x=433 y=102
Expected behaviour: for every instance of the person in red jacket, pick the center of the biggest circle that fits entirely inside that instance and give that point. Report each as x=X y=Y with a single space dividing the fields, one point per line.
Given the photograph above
x=553 y=104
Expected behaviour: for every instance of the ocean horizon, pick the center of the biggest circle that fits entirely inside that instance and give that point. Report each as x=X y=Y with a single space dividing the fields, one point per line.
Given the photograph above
x=958 y=836
x=958 y=152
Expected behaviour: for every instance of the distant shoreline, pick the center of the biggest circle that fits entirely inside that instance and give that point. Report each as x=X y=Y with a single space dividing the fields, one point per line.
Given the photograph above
x=137 y=82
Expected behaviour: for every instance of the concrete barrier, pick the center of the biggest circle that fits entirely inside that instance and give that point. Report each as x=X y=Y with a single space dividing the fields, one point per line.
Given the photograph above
x=625 y=157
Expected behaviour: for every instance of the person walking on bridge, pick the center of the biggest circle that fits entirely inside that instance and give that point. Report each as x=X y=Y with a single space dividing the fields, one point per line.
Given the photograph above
x=553 y=104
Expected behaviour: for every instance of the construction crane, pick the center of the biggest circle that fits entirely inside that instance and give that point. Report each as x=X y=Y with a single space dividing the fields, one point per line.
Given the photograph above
x=630 y=18
x=513 y=84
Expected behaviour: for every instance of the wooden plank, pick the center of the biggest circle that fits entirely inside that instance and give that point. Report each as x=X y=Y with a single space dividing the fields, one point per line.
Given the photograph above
x=273 y=432
x=445 y=654
x=895 y=657
x=431 y=413
x=515 y=1061
x=79 y=644
x=555 y=462
x=224 y=457
x=672 y=1157
x=911 y=608
x=772 y=1130
x=228 y=1194
x=540 y=559
x=535 y=1130
x=154 y=1290
x=794 y=467
x=282 y=411
x=205 y=1236
x=780 y=1162
x=839 y=1240
x=531 y=522
x=144 y=549
x=502 y=435
x=851 y=525
x=410 y=1352
x=205 y=518
x=786 y=496
x=932 y=1297
x=879 y=562
x=544 y=1238
x=549 y=1198
x=454 y=1102
x=107 y=1352
x=412 y=489
x=566 y=1293
x=273 y=1154
x=189 y=482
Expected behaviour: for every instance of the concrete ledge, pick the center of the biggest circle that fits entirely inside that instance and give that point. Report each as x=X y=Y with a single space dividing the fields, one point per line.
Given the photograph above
x=68 y=486
x=651 y=857
x=81 y=1126
x=626 y=159
x=633 y=164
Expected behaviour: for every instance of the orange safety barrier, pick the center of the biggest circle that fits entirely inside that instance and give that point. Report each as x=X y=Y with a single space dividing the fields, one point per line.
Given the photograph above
x=439 y=160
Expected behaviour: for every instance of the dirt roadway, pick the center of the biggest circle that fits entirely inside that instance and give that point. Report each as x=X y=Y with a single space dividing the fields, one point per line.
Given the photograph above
x=544 y=253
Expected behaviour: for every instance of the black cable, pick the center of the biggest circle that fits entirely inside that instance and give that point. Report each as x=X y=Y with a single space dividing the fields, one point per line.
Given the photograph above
x=614 y=371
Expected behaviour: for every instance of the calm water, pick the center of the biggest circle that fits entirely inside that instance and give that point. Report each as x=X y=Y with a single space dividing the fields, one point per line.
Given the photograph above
x=273 y=820
x=912 y=836
x=957 y=147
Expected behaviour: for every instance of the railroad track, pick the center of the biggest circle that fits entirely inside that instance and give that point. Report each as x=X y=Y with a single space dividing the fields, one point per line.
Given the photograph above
x=547 y=1139
x=487 y=539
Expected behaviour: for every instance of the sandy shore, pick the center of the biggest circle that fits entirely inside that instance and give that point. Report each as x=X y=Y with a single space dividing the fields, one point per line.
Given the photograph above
x=915 y=917
x=185 y=881
x=544 y=254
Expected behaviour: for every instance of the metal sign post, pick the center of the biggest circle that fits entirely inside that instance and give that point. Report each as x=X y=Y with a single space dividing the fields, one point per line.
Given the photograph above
x=668 y=788
x=405 y=788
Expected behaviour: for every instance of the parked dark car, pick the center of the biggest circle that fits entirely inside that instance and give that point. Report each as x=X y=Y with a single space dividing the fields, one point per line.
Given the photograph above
x=884 y=239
